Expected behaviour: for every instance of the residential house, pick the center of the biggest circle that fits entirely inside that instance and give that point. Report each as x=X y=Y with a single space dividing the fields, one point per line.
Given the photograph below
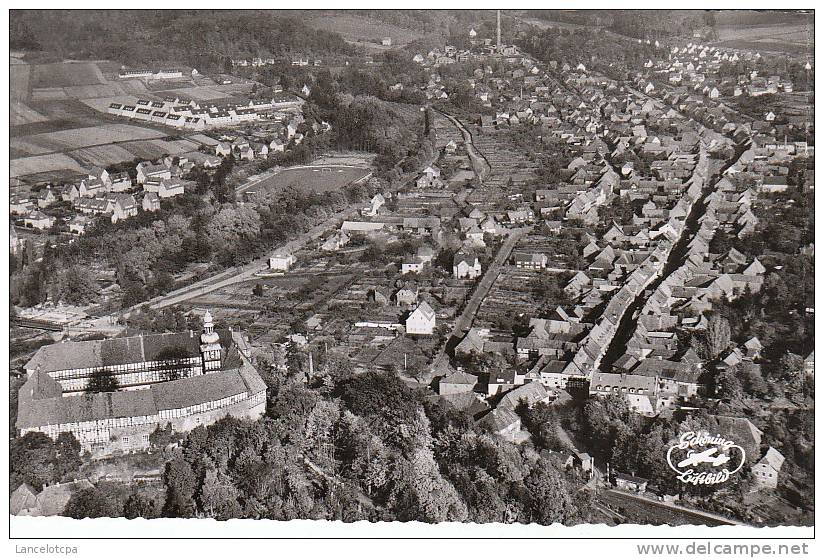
x=501 y=381
x=503 y=422
x=412 y=265
x=576 y=285
x=631 y=483
x=123 y=207
x=78 y=224
x=421 y=321
x=407 y=295
x=765 y=472
x=148 y=171
x=281 y=262
x=20 y=205
x=151 y=202
x=466 y=265
x=38 y=220
x=165 y=187
x=46 y=197
x=457 y=382
x=121 y=182
x=530 y=261
x=527 y=394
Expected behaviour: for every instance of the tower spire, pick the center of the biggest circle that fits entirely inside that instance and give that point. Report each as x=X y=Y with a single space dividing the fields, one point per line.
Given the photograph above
x=209 y=345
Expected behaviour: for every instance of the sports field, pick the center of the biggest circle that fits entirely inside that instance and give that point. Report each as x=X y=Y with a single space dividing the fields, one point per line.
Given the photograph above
x=311 y=179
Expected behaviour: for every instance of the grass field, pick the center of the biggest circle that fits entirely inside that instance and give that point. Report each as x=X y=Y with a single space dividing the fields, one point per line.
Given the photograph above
x=203 y=139
x=38 y=144
x=19 y=84
x=208 y=92
x=56 y=122
x=777 y=38
x=363 y=30
x=102 y=155
x=42 y=163
x=769 y=31
x=304 y=179
x=60 y=115
x=19 y=78
x=134 y=88
x=156 y=148
x=67 y=74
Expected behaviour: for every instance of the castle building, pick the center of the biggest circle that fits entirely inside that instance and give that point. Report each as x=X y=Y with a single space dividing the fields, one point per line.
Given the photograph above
x=176 y=379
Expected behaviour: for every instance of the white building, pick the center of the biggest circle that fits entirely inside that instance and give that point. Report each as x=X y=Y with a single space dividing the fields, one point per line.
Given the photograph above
x=282 y=262
x=466 y=266
x=421 y=321
x=765 y=472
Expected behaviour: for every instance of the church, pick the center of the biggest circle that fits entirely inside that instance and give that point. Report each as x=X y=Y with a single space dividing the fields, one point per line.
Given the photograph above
x=181 y=379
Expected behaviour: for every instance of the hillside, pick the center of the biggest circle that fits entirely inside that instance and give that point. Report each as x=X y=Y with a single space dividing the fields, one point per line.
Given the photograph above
x=203 y=39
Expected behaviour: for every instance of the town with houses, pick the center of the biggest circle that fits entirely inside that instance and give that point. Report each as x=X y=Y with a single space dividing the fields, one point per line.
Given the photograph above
x=583 y=257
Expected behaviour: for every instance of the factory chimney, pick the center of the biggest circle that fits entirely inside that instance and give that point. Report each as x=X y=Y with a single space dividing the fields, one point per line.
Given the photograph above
x=499 y=30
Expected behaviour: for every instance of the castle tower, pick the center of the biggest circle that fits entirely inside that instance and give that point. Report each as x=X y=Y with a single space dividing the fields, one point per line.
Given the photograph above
x=209 y=345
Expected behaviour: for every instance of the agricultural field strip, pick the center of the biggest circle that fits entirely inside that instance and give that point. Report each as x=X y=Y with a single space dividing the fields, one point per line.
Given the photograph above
x=56 y=142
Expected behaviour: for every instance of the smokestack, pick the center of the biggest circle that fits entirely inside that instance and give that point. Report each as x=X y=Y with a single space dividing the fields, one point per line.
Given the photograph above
x=499 y=30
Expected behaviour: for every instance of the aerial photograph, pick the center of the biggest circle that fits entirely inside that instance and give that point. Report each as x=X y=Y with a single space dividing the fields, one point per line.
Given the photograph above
x=487 y=266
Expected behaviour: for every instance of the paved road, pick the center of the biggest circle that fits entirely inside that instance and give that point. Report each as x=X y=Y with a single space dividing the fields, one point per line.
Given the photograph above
x=464 y=321
x=239 y=274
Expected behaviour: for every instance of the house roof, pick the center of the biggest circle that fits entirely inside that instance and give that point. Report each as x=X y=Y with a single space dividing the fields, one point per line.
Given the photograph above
x=459 y=377
x=466 y=401
x=175 y=394
x=470 y=259
x=740 y=429
x=425 y=311
x=530 y=393
x=24 y=497
x=773 y=458
x=500 y=419
x=53 y=499
x=109 y=352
